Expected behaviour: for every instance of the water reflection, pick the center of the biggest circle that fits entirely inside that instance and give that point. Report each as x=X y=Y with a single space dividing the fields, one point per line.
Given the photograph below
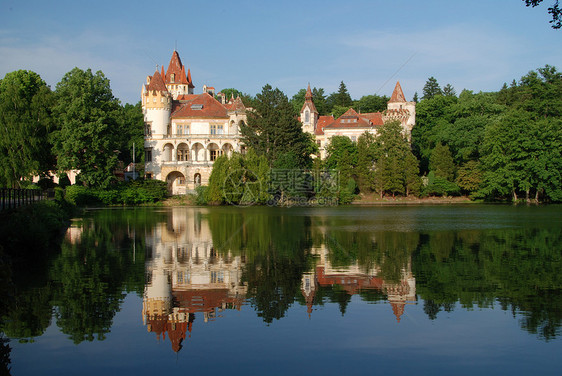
x=185 y=276
x=190 y=265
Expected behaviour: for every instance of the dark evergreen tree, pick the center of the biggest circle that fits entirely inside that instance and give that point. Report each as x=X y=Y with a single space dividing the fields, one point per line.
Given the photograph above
x=449 y=91
x=273 y=129
x=431 y=88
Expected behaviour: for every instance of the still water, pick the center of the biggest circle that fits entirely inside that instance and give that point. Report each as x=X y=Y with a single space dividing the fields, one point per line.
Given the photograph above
x=350 y=290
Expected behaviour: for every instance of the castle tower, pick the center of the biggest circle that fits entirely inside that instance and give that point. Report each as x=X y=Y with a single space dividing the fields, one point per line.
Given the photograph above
x=177 y=81
x=400 y=109
x=309 y=114
x=157 y=106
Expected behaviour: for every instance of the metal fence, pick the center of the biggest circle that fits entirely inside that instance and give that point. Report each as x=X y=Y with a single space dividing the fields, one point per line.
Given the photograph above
x=11 y=198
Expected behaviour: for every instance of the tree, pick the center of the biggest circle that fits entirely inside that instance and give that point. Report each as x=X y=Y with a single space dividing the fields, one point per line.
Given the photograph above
x=89 y=127
x=554 y=10
x=273 y=129
x=319 y=99
x=396 y=168
x=131 y=122
x=371 y=103
x=441 y=162
x=25 y=121
x=416 y=99
x=367 y=154
x=449 y=91
x=431 y=88
x=297 y=101
x=340 y=98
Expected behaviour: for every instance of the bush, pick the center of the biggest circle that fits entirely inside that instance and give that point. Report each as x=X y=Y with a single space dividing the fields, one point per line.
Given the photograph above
x=201 y=195
x=129 y=193
x=438 y=186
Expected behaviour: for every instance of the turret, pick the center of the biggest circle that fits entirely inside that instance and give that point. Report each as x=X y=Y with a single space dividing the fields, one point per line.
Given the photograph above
x=157 y=106
x=400 y=109
x=309 y=114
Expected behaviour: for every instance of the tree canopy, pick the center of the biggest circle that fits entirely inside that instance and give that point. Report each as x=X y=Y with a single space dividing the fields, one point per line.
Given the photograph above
x=89 y=129
x=25 y=122
x=273 y=129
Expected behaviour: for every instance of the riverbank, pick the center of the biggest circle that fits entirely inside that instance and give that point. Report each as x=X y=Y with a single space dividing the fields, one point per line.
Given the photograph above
x=364 y=200
x=375 y=199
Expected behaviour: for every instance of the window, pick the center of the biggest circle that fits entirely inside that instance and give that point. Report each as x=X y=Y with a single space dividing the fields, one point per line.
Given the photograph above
x=220 y=129
x=147 y=130
x=307 y=116
x=213 y=129
x=181 y=180
x=214 y=154
x=179 y=129
x=148 y=155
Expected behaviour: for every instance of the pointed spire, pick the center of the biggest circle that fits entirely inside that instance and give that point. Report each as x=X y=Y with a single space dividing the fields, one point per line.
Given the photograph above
x=183 y=77
x=163 y=74
x=308 y=101
x=397 y=94
x=189 y=82
x=308 y=95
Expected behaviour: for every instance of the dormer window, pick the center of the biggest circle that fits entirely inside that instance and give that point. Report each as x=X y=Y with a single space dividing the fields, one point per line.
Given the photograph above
x=172 y=78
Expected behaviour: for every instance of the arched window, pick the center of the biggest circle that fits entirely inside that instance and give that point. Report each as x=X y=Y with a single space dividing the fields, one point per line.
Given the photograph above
x=307 y=116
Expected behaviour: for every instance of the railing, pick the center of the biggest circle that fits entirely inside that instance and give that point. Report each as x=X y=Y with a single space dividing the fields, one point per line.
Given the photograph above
x=11 y=198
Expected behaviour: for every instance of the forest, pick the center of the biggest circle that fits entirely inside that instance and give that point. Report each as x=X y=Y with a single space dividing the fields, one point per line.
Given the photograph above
x=493 y=146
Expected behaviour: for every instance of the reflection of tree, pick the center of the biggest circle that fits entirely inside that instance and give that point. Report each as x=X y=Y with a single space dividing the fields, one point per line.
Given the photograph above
x=90 y=275
x=520 y=269
x=275 y=248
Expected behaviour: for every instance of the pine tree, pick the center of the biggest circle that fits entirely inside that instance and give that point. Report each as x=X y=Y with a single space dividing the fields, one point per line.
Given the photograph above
x=273 y=129
x=431 y=88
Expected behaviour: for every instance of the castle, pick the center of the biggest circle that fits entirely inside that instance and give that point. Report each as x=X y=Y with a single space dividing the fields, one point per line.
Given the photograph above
x=186 y=132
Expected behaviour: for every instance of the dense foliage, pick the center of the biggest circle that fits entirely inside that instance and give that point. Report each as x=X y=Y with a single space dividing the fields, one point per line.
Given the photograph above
x=503 y=145
x=25 y=122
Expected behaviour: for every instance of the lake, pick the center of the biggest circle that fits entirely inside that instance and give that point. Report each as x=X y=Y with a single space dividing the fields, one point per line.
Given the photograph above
x=473 y=289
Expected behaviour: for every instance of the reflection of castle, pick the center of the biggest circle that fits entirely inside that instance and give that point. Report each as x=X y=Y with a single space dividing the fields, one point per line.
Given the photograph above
x=354 y=279
x=186 y=276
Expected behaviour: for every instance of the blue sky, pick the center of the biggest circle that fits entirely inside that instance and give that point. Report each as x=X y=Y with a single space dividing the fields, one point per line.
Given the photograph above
x=477 y=45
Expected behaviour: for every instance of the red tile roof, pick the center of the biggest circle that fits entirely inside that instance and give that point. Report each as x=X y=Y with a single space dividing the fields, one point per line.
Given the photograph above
x=322 y=122
x=373 y=117
x=156 y=83
x=351 y=119
x=397 y=94
x=202 y=106
x=236 y=105
x=178 y=70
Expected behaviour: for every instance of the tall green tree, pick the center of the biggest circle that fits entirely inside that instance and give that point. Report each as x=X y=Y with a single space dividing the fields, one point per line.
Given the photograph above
x=367 y=153
x=441 y=162
x=397 y=168
x=449 y=91
x=431 y=88
x=131 y=122
x=273 y=129
x=25 y=122
x=89 y=125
